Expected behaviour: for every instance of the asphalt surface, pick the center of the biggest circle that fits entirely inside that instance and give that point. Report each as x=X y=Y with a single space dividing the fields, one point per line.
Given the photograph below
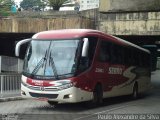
x=147 y=107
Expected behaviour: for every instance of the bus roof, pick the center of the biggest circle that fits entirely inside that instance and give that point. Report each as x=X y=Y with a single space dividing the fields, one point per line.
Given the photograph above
x=77 y=33
x=131 y=44
x=64 y=33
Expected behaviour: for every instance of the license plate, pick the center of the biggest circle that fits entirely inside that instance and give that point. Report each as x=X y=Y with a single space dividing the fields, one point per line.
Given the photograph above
x=42 y=99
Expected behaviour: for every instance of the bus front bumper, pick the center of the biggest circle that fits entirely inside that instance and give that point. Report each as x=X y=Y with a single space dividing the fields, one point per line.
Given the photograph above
x=69 y=95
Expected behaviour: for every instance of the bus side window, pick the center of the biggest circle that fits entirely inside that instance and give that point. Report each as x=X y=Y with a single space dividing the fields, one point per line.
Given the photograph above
x=134 y=57
x=117 y=54
x=113 y=56
x=126 y=56
x=92 y=48
x=131 y=56
x=104 y=54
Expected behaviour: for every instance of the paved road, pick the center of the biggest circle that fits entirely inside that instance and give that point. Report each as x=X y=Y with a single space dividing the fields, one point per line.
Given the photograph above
x=147 y=107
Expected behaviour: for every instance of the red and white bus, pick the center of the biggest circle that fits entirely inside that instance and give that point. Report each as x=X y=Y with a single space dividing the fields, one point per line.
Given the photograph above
x=75 y=65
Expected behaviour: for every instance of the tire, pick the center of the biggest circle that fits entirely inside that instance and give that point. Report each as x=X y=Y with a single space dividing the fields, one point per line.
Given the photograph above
x=97 y=97
x=52 y=102
x=135 y=92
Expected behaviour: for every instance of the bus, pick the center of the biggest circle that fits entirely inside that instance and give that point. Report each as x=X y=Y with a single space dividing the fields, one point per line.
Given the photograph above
x=77 y=65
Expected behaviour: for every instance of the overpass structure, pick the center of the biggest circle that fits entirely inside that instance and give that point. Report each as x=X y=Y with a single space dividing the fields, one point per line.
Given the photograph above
x=135 y=23
x=130 y=17
x=116 y=23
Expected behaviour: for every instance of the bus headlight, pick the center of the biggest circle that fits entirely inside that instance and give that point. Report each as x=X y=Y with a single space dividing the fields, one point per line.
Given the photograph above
x=65 y=86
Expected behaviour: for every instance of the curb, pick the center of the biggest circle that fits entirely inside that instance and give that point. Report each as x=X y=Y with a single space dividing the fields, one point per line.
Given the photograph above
x=11 y=98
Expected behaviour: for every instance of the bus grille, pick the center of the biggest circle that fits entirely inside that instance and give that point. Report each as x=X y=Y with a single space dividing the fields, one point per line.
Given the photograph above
x=37 y=95
x=45 y=88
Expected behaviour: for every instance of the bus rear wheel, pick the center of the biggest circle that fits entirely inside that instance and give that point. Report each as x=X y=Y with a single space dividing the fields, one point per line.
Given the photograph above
x=135 y=91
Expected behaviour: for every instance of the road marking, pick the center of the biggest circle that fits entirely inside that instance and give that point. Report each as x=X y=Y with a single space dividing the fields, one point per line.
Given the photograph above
x=112 y=109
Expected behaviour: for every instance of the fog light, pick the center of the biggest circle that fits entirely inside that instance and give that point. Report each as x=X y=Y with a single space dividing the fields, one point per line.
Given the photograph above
x=70 y=96
x=67 y=96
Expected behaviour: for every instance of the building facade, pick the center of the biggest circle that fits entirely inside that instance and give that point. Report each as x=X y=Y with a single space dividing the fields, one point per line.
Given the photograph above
x=88 y=4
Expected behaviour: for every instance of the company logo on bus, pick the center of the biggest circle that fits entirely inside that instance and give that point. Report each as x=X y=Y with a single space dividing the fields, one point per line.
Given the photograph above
x=39 y=83
x=42 y=88
x=111 y=70
x=115 y=70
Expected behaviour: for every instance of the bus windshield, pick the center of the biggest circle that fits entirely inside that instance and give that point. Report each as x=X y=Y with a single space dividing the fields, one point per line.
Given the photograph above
x=51 y=58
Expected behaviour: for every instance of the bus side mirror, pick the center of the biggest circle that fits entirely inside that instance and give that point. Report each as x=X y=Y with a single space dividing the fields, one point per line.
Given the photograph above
x=18 y=45
x=85 y=47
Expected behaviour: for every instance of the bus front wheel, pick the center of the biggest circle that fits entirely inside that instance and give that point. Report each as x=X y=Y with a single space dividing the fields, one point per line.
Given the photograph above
x=97 y=95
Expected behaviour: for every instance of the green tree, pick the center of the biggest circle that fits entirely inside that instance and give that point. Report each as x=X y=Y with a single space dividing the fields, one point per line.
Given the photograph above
x=5 y=7
x=56 y=4
x=43 y=4
x=33 y=4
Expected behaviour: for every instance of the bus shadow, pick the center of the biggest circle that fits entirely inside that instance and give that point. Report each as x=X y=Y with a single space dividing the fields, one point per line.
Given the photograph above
x=83 y=107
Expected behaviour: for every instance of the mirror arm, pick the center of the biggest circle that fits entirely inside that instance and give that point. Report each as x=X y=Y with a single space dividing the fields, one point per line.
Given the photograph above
x=85 y=47
x=17 y=49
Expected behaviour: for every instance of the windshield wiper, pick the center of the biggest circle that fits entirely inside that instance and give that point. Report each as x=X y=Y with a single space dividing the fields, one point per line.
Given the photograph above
x=66 y=74
x=40 y=63
x=51 y=62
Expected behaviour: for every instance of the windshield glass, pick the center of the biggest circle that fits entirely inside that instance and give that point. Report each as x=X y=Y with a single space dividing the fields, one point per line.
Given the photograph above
x=51 y=58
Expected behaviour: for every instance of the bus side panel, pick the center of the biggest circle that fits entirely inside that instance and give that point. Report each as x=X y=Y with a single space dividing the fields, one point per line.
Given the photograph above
x=116 y=83
x=143 y=78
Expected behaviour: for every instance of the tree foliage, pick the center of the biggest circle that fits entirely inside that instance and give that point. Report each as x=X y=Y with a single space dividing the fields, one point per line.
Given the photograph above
x=56 y=4
x=5 y=7
x=33 y=4
x=6 y=4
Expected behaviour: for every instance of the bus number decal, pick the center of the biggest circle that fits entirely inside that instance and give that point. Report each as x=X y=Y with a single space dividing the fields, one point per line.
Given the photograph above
x=115 y=70
x=99 y=70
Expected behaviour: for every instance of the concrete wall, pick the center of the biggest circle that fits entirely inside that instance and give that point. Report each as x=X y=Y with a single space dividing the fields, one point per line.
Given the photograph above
x=129 y=5
x=33 y=25
x=32 y=22
x=126 y=23
x=142 y=23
